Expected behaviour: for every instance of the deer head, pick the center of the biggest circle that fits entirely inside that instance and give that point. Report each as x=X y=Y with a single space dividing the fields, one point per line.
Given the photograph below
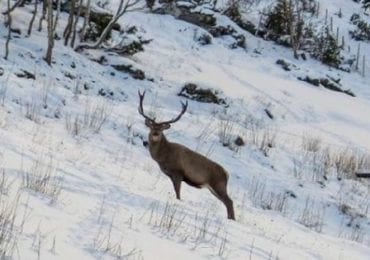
x=157 y=128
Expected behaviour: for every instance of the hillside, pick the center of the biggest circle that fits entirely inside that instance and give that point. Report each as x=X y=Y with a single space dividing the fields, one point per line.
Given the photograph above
x=78 y=183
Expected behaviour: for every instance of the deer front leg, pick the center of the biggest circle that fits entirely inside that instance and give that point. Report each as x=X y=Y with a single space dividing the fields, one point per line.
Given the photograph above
x=176 y=180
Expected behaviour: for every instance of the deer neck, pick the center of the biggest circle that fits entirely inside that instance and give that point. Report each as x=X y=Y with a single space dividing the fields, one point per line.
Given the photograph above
x=158 y=150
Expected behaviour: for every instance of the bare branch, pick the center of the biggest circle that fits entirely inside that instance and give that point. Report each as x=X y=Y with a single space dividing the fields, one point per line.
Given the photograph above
x=11 y=9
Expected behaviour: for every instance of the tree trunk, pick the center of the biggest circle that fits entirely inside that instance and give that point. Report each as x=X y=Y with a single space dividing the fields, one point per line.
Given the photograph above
x=68 y=30
x=296 y=28
x=50 y=28
x=33 y=18
x=86 y=21
x=57 y=16
x=42 y=18
x=74 y=29
x=9 y=31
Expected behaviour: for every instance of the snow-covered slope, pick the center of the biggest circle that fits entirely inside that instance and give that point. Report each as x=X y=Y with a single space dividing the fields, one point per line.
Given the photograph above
x=81 y=185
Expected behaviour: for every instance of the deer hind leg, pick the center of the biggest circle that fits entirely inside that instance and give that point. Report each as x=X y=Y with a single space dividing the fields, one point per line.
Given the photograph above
x=229 y=206
x=221 y=193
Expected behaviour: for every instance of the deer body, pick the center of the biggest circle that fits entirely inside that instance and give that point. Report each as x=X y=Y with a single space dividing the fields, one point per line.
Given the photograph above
x=182 y=164
x=197 y=169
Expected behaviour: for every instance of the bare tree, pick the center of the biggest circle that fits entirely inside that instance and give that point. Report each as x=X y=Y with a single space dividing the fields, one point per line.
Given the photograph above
x=51 y=26
x=123 y=7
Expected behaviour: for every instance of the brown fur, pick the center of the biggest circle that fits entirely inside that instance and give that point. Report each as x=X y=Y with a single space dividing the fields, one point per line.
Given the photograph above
x=180 y=163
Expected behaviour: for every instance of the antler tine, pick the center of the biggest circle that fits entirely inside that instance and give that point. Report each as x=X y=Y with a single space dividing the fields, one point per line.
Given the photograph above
x=184 y=107
x=140 y=108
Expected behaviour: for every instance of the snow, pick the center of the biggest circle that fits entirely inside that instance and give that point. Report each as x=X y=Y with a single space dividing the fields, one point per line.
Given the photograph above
x=115 y=202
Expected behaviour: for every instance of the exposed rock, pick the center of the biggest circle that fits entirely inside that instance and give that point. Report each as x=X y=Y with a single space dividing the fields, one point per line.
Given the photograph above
x=131 y=48
x=135 y=73
x=69 y=75
x=101 y=60
x=239 y=141
x=332 y=86
x=193 y=92
x=105 y=93
x=239 y=42
x=204 y=39
x=219 y=31
x=233 y=13
x=25 y=74
x=187 y=14
x=312 y=81
x=222 y=31
x=16 y=31
x=285 y=65
x=328 y=83
x=200 y=19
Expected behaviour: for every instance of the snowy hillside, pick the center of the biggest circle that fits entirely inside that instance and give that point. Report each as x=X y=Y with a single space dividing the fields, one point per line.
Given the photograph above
x=76 y=181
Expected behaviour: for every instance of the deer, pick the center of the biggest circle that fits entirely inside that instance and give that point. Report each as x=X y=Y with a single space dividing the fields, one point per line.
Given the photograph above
x=182 y=164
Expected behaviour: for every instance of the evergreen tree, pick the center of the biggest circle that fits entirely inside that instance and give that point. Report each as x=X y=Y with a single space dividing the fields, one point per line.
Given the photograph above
x=280 y=19
x=327 y=49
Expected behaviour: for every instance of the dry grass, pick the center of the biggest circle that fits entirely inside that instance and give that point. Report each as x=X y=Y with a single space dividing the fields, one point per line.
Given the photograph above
x=42 y=178
x=11 y=221
x=92 y=120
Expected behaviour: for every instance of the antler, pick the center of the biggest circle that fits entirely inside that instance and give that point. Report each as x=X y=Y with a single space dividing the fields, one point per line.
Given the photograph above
x=184 y=107
x=140 y=108
x=141 y=111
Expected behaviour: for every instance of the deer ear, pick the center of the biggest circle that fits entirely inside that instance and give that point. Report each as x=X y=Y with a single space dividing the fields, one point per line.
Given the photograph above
x=165 y=126
x=148 y=123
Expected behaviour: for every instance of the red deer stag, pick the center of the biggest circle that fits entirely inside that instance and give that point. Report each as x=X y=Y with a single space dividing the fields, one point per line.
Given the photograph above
x=180 y=163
